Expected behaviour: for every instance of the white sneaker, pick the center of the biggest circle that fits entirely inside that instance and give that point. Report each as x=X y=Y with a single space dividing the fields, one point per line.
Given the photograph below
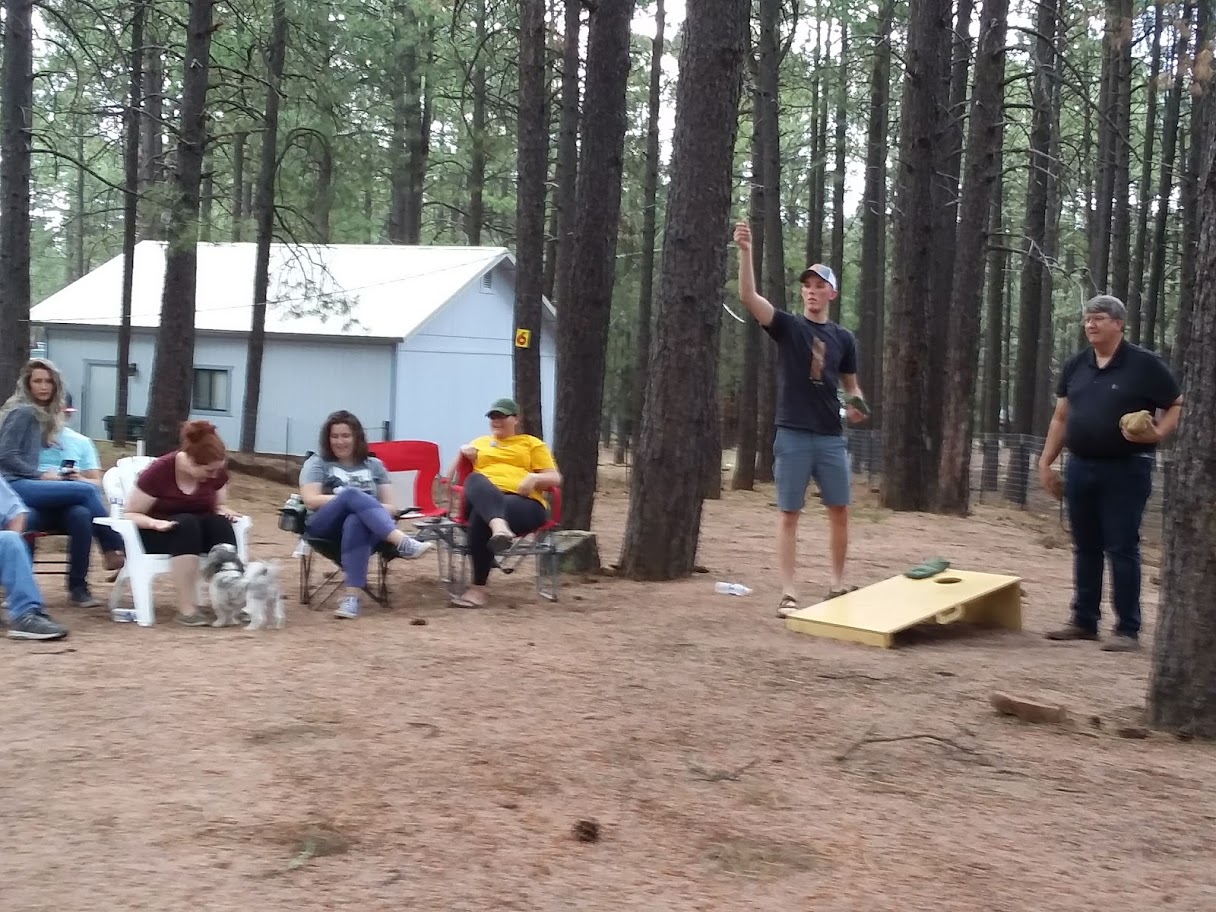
x=411 y=548
x=348 y=607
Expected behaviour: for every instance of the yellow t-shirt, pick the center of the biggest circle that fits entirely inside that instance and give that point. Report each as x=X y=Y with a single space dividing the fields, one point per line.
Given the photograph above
x=508 y=461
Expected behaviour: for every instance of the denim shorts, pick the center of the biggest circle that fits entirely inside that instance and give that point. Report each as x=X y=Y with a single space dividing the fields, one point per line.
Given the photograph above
x=799 y=456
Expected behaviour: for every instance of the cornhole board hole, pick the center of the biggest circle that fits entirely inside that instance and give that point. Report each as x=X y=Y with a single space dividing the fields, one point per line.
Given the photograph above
x=874 y=615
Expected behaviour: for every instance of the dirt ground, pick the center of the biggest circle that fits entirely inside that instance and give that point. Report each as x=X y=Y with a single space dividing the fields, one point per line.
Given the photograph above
x=381 y=764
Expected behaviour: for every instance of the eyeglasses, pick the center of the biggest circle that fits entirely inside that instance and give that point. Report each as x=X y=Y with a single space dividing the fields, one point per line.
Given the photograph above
x=1095 y=318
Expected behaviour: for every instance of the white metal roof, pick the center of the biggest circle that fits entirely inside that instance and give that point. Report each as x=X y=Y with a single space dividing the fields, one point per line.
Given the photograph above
x=369 y=290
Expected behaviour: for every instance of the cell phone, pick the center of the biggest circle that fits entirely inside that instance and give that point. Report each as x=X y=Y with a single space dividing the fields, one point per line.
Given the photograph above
x=67 y=467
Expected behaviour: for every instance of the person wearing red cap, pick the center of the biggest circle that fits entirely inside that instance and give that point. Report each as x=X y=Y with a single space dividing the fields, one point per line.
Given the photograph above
x=816 y=358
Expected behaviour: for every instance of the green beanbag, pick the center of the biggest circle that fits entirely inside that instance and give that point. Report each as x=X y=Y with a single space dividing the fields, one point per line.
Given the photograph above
x=858 y=403
x=931 y=567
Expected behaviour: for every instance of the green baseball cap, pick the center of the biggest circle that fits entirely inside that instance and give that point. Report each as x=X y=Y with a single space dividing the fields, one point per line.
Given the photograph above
x=504 y=407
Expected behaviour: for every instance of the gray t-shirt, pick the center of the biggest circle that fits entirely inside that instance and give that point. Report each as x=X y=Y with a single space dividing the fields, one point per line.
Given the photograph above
x=367 y=476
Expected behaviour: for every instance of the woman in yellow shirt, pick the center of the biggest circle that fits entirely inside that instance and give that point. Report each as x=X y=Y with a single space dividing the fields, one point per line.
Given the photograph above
x=504 y=494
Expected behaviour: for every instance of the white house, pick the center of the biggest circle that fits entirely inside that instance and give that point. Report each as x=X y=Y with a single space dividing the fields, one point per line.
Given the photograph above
x=416 y=341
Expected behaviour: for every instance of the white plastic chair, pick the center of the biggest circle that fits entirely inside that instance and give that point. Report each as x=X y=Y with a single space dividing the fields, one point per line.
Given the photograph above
x=142 y=568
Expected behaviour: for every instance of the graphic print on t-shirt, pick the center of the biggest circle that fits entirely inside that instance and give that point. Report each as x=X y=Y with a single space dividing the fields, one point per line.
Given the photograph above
x=353 y=478
x=818 y=350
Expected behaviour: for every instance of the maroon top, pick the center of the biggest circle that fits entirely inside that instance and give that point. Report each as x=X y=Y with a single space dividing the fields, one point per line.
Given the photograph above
x=159 y=481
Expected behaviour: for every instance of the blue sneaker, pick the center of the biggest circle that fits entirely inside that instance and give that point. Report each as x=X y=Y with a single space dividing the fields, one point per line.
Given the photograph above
x=348 y=607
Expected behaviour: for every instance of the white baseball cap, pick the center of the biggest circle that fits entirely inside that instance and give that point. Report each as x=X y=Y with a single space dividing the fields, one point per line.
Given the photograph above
x=824 y=272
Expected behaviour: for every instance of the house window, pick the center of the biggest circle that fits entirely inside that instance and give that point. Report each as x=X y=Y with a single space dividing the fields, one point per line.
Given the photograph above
x=210 y=390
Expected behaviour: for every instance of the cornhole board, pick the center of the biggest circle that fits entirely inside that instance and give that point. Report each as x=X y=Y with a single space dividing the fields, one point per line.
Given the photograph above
x=874 y=615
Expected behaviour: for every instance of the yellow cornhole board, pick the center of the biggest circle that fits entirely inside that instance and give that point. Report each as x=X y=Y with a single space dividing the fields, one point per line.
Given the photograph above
x=874 y=615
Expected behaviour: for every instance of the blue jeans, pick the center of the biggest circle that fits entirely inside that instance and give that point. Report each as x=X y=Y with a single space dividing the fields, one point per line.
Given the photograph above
x=17 y=577
x=69 y=507
x=799 y=456
x=1106 y=500
x=360 y=522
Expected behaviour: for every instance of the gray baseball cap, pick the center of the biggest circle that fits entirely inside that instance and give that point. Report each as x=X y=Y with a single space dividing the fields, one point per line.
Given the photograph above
x=824 y=272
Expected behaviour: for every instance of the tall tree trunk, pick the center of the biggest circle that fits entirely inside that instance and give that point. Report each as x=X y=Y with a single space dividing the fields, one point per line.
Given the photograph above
x=908 y=421
x=838 y=177
x=1104 y=181
x=153 y=151
x=1165 y=187
x=130 y=216
x=998 y=260
x=650 y=195
x=206 y=194
x=1202 y=99
x=661 y=539
x=263 y=206
x=567 y=154
x=79 y=207
x=582 y=332
x=874 y=220
x=173 y=366
x=749 y=387
x=238 y=185
x=17 y=99
x=532 y=164
x=323 y=205
x=819 y=151
x=975 y=206
x=1182 y=687
x=1120 y=232
x=1135 y=296
x=1035 y=230
x=474 y=219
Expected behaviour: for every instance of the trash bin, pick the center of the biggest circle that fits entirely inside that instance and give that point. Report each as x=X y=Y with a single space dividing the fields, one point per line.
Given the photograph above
x=135 y=427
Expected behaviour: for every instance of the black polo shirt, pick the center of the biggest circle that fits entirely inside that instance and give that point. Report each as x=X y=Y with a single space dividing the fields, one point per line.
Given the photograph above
x=1134 y=379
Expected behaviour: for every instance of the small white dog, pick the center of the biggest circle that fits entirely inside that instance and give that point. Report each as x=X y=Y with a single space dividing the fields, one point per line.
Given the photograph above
x=236 y=587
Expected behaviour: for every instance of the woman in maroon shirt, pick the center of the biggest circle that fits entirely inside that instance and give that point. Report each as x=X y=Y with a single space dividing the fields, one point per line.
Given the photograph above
x=178 y=505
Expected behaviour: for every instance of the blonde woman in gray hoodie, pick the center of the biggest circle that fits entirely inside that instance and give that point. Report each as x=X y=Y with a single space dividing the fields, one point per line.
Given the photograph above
x=32 y=418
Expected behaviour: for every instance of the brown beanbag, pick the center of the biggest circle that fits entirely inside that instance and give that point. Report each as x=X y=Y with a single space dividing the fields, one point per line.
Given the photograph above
x=1137 y=423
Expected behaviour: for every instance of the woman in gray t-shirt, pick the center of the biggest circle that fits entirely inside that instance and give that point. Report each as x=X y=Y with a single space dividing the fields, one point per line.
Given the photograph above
x=349 y=498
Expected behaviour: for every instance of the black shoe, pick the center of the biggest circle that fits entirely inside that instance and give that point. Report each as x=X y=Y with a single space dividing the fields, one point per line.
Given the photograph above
x=1122 y=642
x=83 y=598
x=1072 y=632
x=35 y=626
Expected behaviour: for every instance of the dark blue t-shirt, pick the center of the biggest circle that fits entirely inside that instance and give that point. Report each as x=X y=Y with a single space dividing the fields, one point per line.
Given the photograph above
x=810 y=359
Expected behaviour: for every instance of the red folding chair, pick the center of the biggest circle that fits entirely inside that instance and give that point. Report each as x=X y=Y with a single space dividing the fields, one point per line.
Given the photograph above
x=451 y=536
x=420 y=456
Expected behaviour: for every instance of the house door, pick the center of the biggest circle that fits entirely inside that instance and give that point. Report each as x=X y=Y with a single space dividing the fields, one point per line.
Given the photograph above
x=99 y=400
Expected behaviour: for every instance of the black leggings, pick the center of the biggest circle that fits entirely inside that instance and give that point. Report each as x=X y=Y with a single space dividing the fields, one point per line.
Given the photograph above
x=195 y=533
x=486 y=502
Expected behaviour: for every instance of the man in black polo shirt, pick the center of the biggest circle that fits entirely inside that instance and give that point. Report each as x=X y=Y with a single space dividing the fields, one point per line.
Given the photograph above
x=1109 y=473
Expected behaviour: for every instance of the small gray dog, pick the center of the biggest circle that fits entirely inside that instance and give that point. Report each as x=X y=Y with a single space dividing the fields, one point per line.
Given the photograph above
x=236 y=587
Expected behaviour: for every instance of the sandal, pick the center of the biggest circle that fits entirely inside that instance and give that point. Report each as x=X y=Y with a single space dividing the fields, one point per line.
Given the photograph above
x=836 y=593
x=931 y=567
x=787 y=606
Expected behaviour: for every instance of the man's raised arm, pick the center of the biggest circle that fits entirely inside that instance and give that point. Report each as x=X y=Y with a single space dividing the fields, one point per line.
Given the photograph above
x=756 y=305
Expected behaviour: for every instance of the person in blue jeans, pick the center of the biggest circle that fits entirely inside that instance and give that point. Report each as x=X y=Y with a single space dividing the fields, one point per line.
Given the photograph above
x=31 y=420
x=27 y=619
x=816 y=358
x=1109 y=473
x=349 y=497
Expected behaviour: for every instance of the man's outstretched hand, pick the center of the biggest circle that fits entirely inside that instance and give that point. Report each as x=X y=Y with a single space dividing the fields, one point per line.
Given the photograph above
x=743 y=236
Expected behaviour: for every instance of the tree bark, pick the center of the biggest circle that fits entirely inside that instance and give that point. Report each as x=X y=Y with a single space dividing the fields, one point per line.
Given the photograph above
x=839 y=175
x=1198 y=153
x=749 y=386
x=263 y=206
x=238 y=185
x=567 y=168
x=963 y=340
x=664 y=501
x=153 y=151
x=173 y=366
x=1120 y=232
x=1035 y=229
x=1182 y=688
x=582 y=331
x=474 y=219
x=998 y=260
x=531 y=168
x=908 y=425
x=1165 y=187
x=650 y=195
x=130 y=216
x=17 y=97
x=1135 y=296
x=874 y=220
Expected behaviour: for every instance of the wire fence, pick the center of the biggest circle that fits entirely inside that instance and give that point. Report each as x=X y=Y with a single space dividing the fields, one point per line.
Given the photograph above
x=1004 y=472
